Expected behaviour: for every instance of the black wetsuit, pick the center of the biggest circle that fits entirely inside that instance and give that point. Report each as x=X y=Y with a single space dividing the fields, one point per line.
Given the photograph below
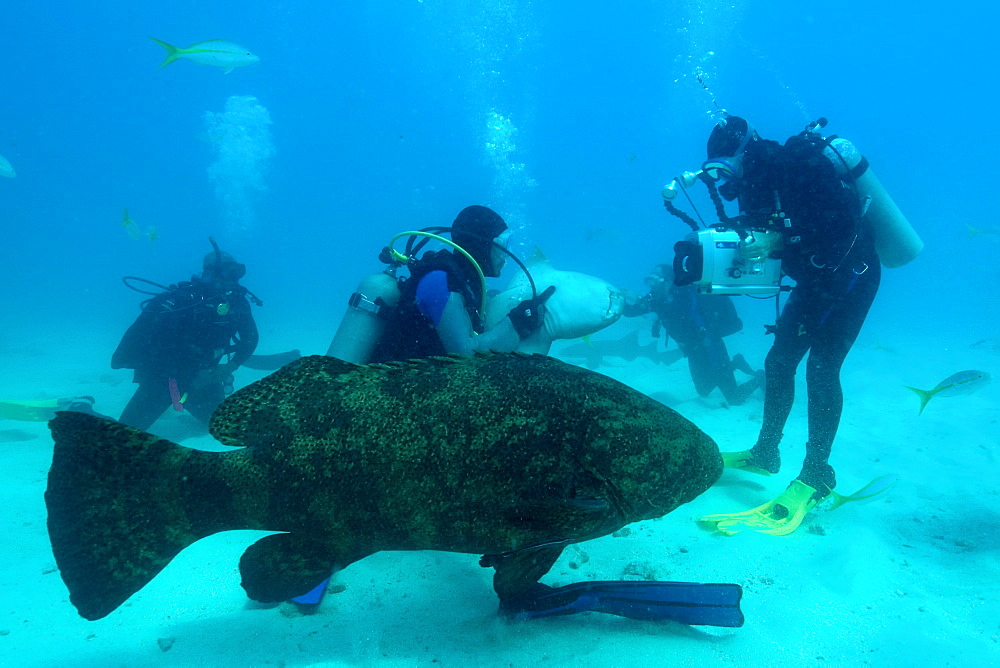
x=697 y=323
x=179 y=334
x=829 y=251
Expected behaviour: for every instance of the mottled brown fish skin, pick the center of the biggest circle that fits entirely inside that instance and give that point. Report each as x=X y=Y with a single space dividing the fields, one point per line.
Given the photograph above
x=470 y=454
x=485 y=454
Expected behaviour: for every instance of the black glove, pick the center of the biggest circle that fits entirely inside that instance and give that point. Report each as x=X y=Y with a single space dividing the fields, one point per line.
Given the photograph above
x=527 y=316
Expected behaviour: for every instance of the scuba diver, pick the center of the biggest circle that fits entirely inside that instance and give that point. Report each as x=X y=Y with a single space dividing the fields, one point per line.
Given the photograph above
x=439 y=308
x=810 y=191
x=698 y=324
x=176 y=344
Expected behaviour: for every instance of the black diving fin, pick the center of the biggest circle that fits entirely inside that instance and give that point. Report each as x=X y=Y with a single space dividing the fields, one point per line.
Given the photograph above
x=271 y=362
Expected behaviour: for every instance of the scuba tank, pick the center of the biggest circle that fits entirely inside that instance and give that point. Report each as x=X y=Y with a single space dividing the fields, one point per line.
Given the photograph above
x=364 y=322
x=895 y=239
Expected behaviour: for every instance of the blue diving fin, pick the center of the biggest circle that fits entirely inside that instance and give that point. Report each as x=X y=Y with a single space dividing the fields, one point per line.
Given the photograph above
x=695 y=603
x=309 y=602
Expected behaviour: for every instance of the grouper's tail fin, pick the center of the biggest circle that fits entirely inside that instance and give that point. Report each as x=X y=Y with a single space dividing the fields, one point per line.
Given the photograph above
x=116 y=507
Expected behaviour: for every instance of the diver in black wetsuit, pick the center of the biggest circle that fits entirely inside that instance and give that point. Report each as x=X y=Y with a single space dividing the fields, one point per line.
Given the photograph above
x=698 y=324
x=177 y=342
x=829 y=250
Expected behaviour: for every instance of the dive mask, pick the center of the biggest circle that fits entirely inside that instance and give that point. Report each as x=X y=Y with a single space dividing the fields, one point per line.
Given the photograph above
x=731 y=168
x=503 y=240
x=723 y=169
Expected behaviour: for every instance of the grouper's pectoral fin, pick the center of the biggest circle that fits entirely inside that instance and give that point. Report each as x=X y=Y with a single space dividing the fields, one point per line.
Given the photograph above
x=518 y=572
x=569 y=517
x=282 y=566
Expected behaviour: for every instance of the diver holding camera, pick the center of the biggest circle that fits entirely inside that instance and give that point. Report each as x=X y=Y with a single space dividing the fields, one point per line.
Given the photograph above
x=812 y=210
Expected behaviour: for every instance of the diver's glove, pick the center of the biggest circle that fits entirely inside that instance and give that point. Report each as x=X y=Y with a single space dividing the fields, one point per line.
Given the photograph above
x=528 y=316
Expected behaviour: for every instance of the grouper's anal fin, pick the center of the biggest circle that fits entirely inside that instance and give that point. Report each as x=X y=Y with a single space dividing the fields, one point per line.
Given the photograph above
x=282 y=566
x=519 y=571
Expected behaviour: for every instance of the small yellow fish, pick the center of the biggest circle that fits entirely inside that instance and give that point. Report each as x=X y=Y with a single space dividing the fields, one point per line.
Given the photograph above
x=985 y=231
x=217 y=52
x=130 y=227
x=151 y=234
x=963 y=382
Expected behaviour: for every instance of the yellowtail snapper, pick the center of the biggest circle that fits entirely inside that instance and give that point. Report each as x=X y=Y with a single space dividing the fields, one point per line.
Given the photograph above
x=216 y=52
x=963 y=382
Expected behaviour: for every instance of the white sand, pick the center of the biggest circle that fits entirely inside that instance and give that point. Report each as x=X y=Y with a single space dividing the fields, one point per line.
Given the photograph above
x=910 y=578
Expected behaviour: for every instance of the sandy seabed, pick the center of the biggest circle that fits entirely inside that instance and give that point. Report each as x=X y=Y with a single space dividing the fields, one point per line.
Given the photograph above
x=911 y=577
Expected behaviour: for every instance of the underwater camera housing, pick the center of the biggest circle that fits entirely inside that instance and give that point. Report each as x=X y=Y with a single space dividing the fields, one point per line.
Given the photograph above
x=715 y=263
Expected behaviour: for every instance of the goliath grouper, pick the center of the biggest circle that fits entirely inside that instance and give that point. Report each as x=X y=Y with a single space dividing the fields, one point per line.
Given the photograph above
x=501 y=454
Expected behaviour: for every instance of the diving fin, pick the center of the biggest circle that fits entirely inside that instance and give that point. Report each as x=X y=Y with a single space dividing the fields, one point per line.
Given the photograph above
x=779 y=517
x=694 y=603
x=45 y=410
x=742 y=460
x=784 y=514
x=309 y=602
x=272 y=362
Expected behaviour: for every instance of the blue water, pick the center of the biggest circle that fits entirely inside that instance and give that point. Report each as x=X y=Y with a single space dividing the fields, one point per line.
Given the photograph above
x=380 y=115
x=368 y=118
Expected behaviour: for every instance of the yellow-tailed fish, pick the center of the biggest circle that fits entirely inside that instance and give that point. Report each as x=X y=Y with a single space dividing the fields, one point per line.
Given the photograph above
x=215 y=52
x=963 y=382
x=874 y=488
x=130 y=227
x=6 y=169
x=986 y=231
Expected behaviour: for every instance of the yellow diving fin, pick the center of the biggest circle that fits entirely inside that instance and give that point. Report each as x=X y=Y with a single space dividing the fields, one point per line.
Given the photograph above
x=38 y=411
x=741 y=460
x=779 y=517
x=784 y=514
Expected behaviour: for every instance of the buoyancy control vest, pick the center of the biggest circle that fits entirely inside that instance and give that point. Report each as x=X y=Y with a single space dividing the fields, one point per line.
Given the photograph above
x=409 y=333
x=182 y=330
x=796 y=189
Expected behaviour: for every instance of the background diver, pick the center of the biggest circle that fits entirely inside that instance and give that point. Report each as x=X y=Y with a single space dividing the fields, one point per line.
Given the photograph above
x=179 y=339
x=698 y=323
x=808 y=191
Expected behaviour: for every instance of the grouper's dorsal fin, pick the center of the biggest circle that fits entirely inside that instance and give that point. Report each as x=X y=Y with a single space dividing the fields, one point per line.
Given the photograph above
x=303 y=399
x=255 y=415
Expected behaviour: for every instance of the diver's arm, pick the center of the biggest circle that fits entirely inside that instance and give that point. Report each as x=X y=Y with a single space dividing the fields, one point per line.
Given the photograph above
x=246 y=342
x=643 y=306
x=455 y=330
